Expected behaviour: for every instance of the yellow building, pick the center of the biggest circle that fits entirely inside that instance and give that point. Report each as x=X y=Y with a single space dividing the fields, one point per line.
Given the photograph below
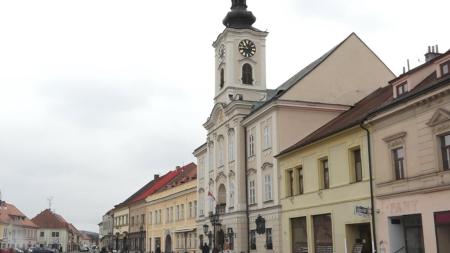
x=325 y=189
x=171 y=214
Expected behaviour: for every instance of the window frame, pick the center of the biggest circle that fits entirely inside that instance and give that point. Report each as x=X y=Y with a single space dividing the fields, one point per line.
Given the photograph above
x=252 y=191
x=324 y=173
x=395 y=160
x=442 y=65
x=401 y=89
x=445 y=156
x=268 y=187
x=269 y=239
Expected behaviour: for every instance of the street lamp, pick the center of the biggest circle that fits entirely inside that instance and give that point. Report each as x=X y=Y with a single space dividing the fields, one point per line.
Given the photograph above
x=205 y=229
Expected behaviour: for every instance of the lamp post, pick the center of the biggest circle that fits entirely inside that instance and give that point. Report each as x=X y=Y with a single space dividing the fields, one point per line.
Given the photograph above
x=214 y=218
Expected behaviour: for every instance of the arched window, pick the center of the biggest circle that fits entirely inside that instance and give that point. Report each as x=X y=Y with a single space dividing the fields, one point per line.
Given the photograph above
x=222 y=78
x=211 y=156
x=247 y=75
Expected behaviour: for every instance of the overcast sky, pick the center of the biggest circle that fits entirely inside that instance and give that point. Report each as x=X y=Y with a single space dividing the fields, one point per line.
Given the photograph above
x=97 y=96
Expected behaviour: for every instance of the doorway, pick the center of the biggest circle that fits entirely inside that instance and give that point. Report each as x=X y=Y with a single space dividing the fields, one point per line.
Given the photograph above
x=406 y=233
x=168 y=244
x=359 y=238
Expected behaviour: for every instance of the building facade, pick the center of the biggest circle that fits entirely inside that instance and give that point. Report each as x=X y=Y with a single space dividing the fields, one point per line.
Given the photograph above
x=171 y=213
x=411 y=143
x=55 y=232
x=121 y=215
x=249 y=124
x=106 y=231
x=16 y=230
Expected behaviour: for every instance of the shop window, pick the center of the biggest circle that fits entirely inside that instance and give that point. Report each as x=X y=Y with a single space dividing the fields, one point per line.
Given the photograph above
x=442 y=226
x=323 y=237
x=299 y=235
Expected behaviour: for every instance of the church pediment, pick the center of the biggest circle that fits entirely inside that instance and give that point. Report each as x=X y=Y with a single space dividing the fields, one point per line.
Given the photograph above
x=216 y=117
x=440 y=116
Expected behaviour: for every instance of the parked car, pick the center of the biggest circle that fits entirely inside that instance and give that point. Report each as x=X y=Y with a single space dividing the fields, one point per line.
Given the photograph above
x=84 y=249
x=42 y=250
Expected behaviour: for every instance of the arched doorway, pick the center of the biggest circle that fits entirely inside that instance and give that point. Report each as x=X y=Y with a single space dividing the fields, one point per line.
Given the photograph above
x=168 y=244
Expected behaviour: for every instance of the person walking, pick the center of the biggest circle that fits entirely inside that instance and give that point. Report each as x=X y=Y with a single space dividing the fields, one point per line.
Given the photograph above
x=205 y=248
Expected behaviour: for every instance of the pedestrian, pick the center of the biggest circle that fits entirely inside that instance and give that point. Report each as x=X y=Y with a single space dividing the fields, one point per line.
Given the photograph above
x=205 y=248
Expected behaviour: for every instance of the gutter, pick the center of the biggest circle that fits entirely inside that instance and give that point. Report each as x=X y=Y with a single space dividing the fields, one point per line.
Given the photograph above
x=372 y=202
x=246 y=191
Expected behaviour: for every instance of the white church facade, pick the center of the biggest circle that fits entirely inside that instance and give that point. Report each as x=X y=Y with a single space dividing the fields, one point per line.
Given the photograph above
x=238 y=176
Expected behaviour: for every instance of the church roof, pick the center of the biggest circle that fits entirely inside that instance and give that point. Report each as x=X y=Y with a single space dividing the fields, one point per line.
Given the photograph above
x=239 y=17
x=50 y=219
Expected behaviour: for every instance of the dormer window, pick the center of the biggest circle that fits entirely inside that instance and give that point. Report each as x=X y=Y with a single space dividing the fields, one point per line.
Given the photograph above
x=401 y=89
x=445 y=68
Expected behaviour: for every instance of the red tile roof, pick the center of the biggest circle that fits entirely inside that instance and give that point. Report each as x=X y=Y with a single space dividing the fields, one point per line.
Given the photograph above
x=49 y=219
x=187 y=174
x=9 y=214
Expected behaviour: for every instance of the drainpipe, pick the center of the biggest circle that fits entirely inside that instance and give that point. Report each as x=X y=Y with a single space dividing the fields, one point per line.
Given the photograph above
x=246 y=190
x=372 y=202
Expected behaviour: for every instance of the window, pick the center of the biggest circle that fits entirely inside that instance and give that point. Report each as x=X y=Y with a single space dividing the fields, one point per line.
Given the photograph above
x=323 y=237
x=177 y=217
x=266 y=137
x=231 y=145
x=252 y=192
x=401 y=89
x=182 y=212
x=300 y=180
x=247 y=75
x=171 y=214
x=195 y=209
x=251 y=145
x=142 y=218
x=268 y=187
x=398 y=156
x=290 y=183
x=41 y=234
x=167 y=215
x=201 y=203
x=445 y=147
x=445 y=68
x=190 y=210
x=269 y=244
x=132 y=221
x=150 y=218
x=252 y=239
x=442 y=226
x=325 y=174
x=357 y=166
x=222 y=78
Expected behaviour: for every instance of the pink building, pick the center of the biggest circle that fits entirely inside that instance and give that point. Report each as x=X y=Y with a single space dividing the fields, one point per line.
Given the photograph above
x=411 y=160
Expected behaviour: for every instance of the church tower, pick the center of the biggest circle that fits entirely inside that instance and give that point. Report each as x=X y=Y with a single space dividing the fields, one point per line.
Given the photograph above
x=240 y=57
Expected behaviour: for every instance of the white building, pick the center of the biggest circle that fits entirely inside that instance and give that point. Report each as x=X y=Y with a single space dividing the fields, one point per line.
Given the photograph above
x=249 y=124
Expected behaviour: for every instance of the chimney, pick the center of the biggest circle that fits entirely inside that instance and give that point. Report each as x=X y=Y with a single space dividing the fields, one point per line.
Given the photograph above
x=178 y=167
x=433 y=52
x=156 y=176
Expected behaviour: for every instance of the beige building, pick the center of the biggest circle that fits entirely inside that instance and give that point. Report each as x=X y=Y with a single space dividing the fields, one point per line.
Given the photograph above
x=325 y=178
x=249 y=124
x=121 y=215
x=411 y=143
x=171 y=213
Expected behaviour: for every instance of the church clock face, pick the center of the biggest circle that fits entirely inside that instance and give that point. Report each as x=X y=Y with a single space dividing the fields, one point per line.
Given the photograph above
x=247 y=48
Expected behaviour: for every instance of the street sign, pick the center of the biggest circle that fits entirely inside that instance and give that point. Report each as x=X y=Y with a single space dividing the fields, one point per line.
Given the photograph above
x=362 y=211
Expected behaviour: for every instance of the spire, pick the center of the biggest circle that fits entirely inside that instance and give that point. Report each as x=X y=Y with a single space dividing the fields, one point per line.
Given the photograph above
x=239 y=17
